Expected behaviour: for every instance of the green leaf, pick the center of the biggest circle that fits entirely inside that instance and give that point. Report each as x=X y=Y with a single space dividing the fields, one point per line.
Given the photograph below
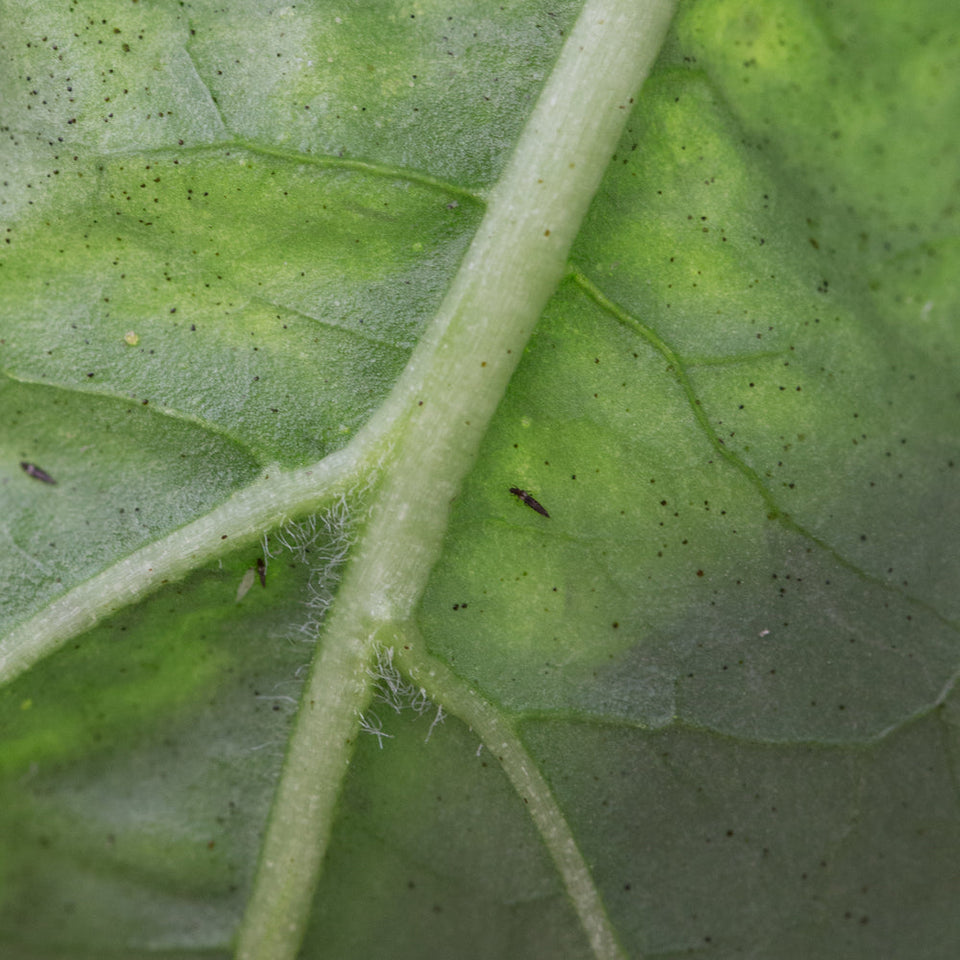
x=305 y=309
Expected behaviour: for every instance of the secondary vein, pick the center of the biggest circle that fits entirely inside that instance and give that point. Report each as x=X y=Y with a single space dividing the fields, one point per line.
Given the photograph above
x=498 y=735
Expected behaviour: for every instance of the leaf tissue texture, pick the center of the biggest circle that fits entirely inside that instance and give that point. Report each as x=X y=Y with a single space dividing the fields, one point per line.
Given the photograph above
x=705 y=708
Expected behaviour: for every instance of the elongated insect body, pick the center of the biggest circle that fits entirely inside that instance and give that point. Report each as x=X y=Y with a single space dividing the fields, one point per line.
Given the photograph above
x=262 y=571
x=529 y=501
x=34 y=471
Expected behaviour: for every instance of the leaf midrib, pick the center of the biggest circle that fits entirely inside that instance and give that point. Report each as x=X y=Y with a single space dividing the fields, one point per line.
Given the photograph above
x=419 y=445
x=450 y=390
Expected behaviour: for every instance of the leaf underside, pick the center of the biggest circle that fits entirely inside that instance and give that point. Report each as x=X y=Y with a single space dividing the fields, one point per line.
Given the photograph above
x=729 y=650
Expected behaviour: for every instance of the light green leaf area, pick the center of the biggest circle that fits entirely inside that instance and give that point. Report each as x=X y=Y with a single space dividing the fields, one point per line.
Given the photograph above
x=724 y=664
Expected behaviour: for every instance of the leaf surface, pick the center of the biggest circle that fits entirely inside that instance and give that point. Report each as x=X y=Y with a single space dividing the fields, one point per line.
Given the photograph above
x=724 y=663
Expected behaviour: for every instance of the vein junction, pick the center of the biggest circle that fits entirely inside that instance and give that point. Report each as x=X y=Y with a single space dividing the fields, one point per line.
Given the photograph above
x=441 y=407
x=500 y=738
x=418 y=447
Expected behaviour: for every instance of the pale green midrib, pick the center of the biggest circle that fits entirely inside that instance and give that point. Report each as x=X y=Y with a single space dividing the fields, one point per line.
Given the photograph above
x=498 y=734
x=679 y=369
x=452 y=385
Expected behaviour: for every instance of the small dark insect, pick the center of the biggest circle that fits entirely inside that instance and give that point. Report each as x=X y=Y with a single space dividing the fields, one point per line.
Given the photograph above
x=528 y=500
x=34 y=471
x=262 y=571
